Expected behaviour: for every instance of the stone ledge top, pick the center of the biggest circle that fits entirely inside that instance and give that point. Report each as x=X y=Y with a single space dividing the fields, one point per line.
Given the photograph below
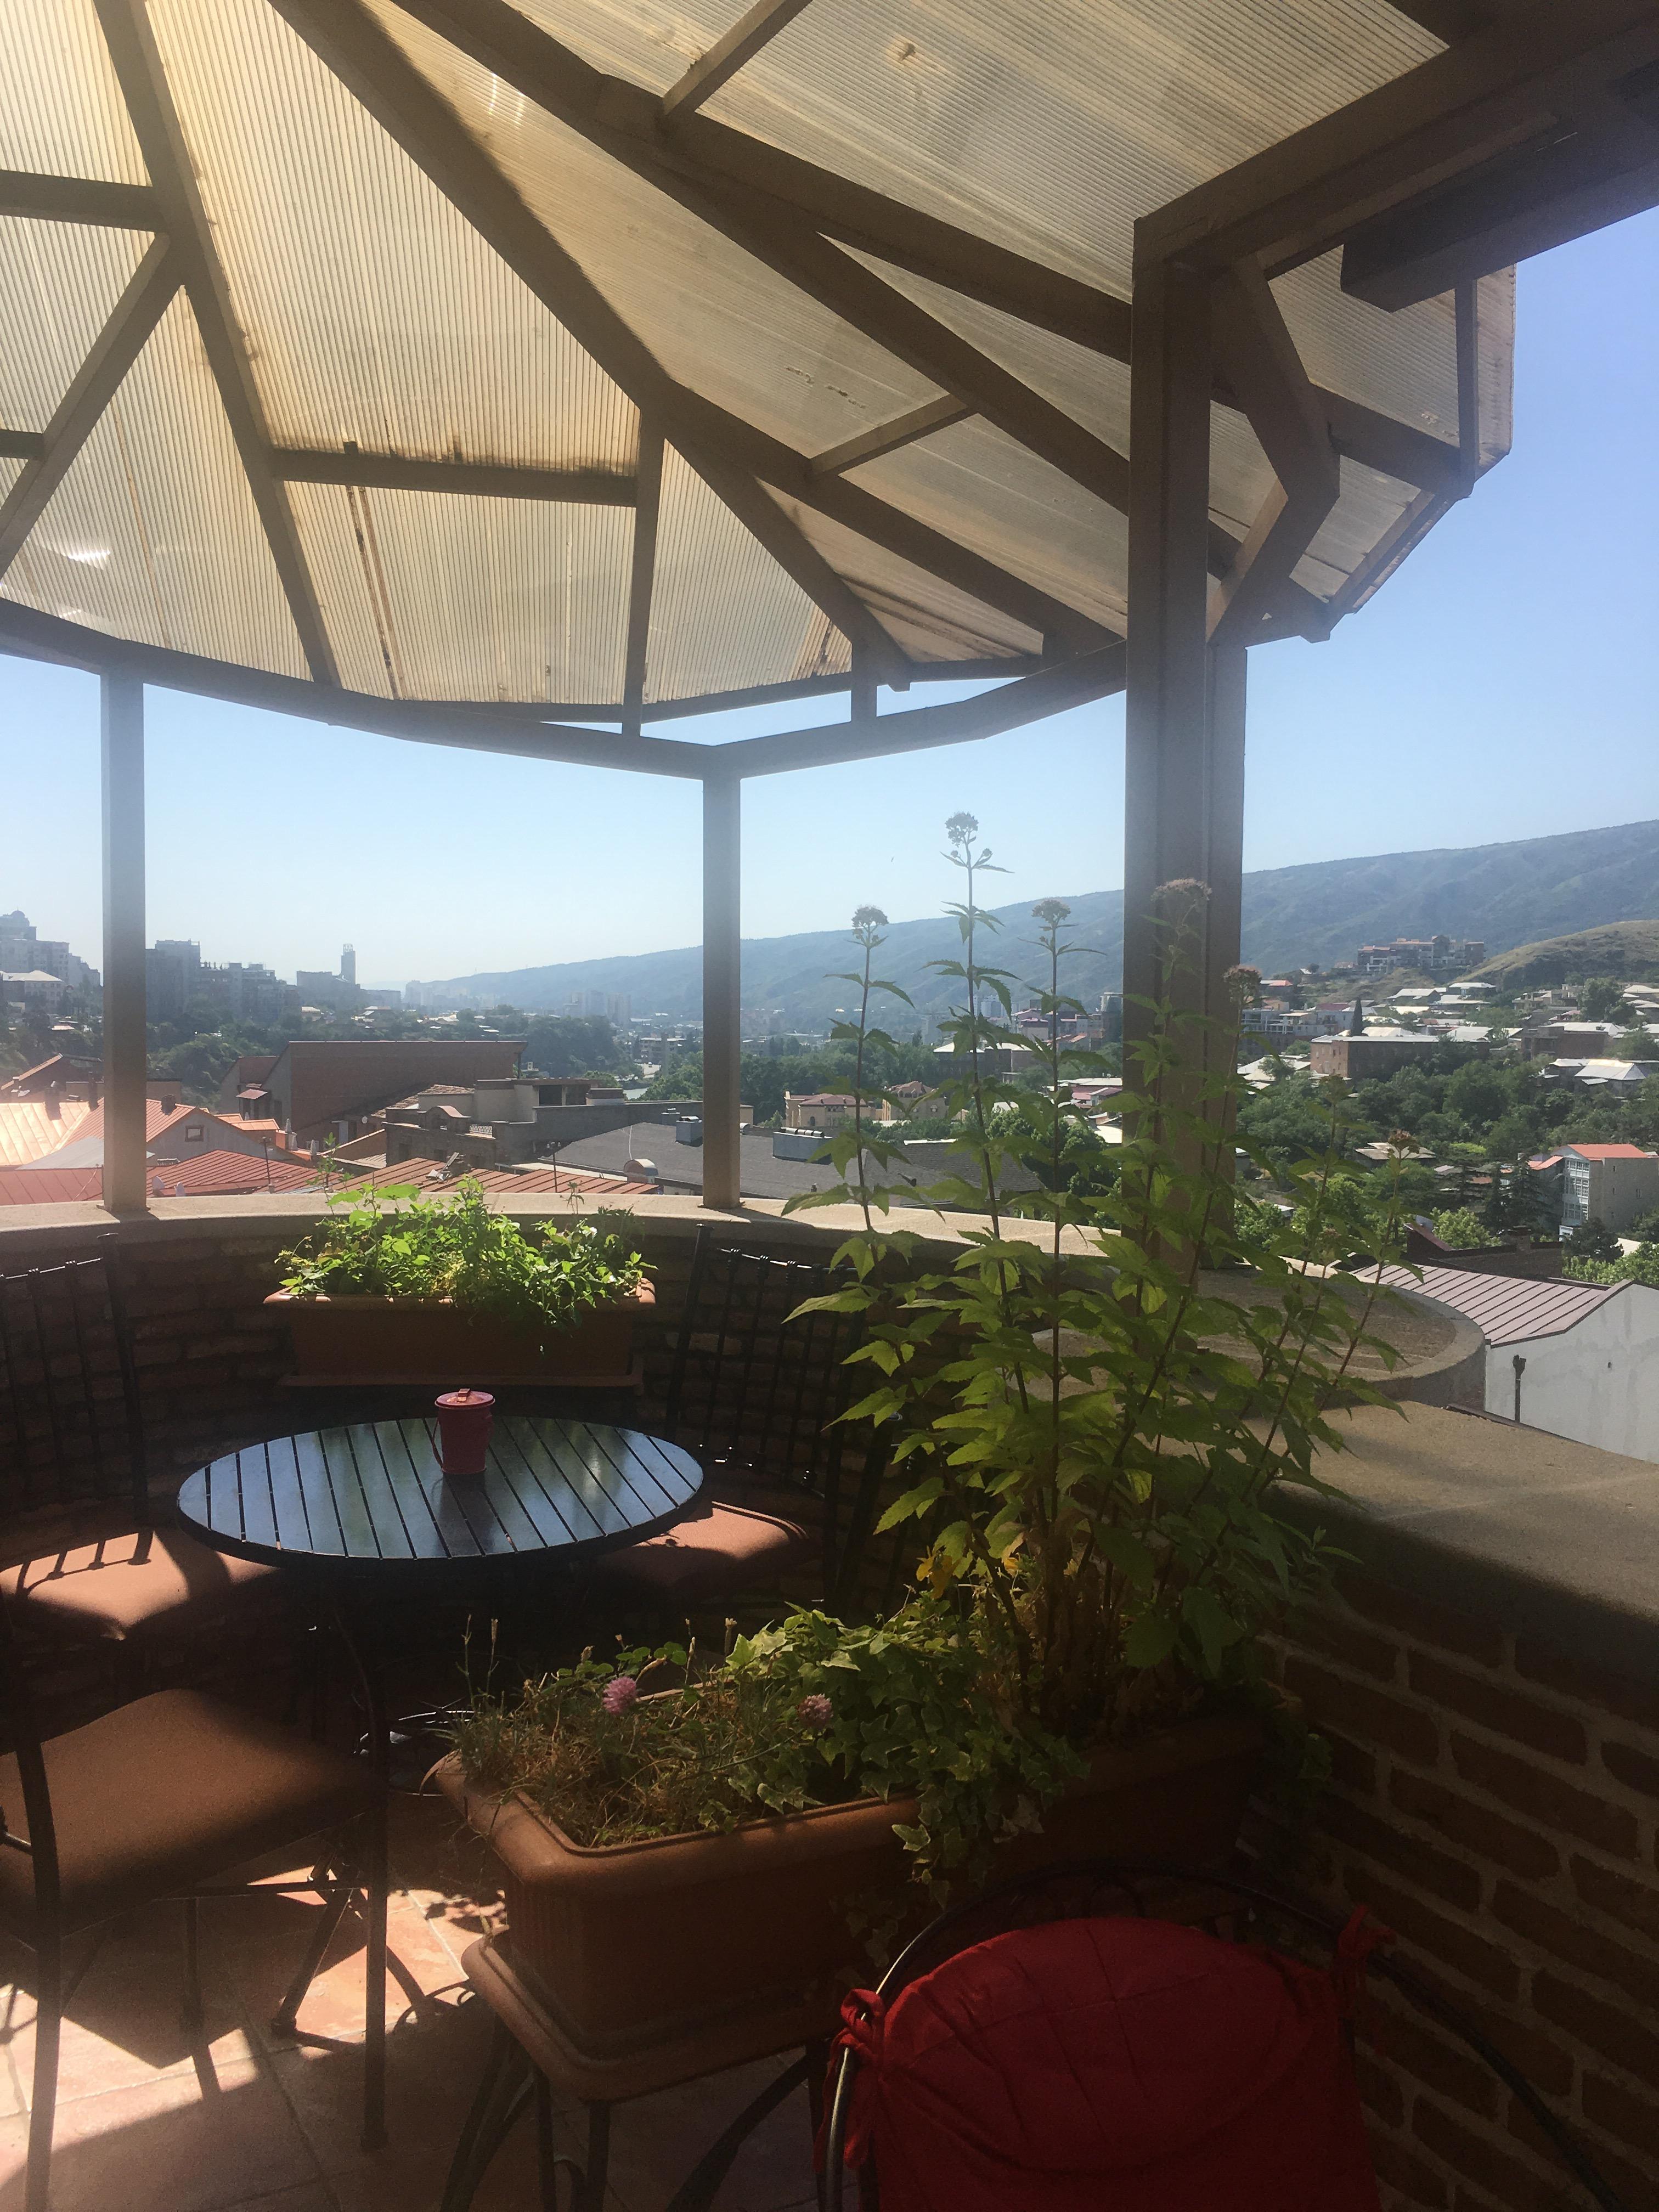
x=1532 y=1532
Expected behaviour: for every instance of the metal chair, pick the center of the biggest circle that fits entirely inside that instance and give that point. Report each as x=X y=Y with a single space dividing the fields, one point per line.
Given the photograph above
x=755 y=1395
x=72 y=1438
x=159 y=1799
x=1077 y=1890
x=532 y=2060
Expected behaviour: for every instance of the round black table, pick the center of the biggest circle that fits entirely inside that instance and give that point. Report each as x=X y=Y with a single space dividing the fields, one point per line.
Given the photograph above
x=369 y=1505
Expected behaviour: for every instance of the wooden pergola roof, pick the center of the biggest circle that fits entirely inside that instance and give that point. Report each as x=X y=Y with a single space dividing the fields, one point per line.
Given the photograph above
x=461 y=368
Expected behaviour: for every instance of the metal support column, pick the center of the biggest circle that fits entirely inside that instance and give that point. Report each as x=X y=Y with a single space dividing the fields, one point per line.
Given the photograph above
x=722 y=988
x=126 y=1064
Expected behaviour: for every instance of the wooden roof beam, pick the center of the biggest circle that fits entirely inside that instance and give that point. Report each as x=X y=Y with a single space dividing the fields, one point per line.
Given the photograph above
x=79 y=200
x=958 y=721
x=138 y=65
x=399 y=95
x=642 y=576
x=21 y=445
x=476 y=479
x=142 y=303
x=892 y=436
x=1258 y=356
x=24 y=630
x=381 y=77
x=752 y=30
x=1493 y=92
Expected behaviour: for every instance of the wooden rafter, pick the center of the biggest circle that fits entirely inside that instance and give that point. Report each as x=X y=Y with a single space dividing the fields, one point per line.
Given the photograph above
x=700 y=153
x=890 y=437
x=21 y=445
x=478 y=479
x=1260 y=359
x=155 y=124
x=24 y=630
x=957 y=721
x=79 y=200
x=1492 y=91
x=394 y=91
x=643 y=575
x=728 y=54
x=142 y=305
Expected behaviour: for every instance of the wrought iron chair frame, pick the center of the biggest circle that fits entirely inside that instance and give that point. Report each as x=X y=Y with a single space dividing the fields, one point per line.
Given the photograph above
x=354 y=1863
x=807 y=1411
x=33 y=1285
x=1108 y=1876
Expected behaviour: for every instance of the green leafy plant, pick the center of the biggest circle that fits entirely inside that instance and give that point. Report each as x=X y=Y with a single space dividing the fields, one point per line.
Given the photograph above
x=455 y=1247
x=1098 y=1403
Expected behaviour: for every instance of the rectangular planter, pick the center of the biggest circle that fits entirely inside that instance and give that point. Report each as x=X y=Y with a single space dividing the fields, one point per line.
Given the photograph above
x=374 y=1340
x=632 y=1942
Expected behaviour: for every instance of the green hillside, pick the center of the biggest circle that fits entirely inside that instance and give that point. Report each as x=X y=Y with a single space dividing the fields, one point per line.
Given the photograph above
x=1588 y=881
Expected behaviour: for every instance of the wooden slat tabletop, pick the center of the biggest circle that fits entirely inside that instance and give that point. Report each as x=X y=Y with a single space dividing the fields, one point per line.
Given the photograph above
x=373 y=1495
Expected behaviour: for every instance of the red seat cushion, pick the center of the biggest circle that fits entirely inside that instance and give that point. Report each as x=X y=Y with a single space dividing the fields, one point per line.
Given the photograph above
x=1126 y=2063
x=716 y=1549
x=127 y=1585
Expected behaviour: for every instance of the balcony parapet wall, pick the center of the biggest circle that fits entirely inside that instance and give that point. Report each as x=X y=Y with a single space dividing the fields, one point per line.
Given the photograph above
x=1487 y=1676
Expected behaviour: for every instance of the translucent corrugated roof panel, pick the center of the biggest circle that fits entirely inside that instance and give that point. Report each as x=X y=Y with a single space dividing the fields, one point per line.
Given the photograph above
x=1050 y=132
x=61 y=111
x=599 y=268
x=721 y=603
x=59 y=281
x=382 y=316
x=433 y=596
x=153 y=534
x=977 y=485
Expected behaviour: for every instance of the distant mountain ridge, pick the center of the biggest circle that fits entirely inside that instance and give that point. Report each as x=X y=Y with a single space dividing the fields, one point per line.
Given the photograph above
x=1508 y=895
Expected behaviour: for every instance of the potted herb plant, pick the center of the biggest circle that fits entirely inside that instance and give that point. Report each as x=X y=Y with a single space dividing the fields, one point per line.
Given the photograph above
x=442 y=1289
x=1093 y=1443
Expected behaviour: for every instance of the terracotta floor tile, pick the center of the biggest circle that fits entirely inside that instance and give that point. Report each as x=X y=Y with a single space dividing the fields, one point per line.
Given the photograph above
x=420 y=1964
x=178 y=2143
x=655 y=2142
x=309 y=2197
x=432 y=2069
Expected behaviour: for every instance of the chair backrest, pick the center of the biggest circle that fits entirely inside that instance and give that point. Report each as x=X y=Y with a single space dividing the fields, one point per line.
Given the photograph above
x=70 y=1428
x=1080 y=1889
x=755 y=1395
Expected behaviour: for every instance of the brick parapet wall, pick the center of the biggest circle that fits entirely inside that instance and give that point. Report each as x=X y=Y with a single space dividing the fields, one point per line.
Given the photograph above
x=1494 y=1799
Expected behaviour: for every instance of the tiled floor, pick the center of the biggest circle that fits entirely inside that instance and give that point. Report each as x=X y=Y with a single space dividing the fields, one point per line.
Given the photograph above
x=238 y=2119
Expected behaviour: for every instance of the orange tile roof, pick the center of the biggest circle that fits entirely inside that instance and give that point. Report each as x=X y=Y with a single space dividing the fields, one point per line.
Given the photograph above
x=1608 y=1152
x=27 y=1131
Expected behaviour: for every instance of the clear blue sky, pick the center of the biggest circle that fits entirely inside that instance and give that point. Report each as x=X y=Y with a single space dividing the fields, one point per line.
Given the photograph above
x=1502 y=685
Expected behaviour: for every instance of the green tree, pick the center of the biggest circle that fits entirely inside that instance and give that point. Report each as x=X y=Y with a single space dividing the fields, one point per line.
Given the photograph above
x=1593 y=1240
x=1602 y=998
x=1459 y=1228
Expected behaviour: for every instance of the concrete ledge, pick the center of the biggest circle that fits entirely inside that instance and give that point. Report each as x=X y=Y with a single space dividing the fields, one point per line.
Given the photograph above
x=1539 y=1535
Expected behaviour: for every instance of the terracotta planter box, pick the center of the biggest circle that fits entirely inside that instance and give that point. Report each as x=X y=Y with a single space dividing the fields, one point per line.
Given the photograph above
x=632 y=1943
x=376 y=1339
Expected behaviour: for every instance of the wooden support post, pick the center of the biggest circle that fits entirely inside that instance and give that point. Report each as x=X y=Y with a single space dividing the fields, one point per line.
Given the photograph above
x=722 y=988
x=125 y=1062
x=1167 y=728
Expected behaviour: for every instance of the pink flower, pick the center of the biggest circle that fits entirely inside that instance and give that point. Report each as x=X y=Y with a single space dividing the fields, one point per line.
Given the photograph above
x=816 y=1711
x=621 y=1692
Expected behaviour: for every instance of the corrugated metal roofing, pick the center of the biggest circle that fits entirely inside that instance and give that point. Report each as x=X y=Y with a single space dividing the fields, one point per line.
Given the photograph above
x=28 y=1130
x=526 y=1181
x=1507 y=1309
x=379 y=320
x=210 y=1175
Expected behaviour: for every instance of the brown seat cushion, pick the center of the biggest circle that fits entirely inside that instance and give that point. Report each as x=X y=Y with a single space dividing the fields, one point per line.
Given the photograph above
x=716 y=1549
x=139 y=1582
x=170 y=1790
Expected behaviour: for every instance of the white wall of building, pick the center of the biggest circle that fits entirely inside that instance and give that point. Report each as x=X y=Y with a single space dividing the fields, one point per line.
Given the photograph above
x=1597 y=1383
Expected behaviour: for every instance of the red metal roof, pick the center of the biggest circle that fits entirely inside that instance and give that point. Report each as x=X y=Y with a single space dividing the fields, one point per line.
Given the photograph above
x=207 y=1174
x=1508 y=1308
